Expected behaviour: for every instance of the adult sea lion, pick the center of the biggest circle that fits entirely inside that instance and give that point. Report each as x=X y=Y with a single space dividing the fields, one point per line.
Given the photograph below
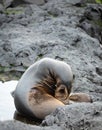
x=43 y=87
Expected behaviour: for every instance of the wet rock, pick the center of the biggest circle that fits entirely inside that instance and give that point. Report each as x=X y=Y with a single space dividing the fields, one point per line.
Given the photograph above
x=77 y=116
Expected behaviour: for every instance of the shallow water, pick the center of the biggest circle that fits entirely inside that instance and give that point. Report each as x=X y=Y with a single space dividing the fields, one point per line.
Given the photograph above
x=7 y=107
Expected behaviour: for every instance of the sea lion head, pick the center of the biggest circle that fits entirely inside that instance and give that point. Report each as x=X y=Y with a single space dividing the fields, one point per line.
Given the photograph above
x=63 y=91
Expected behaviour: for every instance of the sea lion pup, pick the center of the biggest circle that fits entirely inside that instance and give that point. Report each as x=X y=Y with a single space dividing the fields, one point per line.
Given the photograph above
x=35 y=91
x=80 y=97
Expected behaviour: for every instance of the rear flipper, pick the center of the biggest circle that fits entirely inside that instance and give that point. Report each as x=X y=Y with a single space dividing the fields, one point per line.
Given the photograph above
x=80 y=97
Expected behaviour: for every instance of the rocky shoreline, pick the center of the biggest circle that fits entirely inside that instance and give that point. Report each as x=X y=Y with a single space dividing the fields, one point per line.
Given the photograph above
x=63 y=30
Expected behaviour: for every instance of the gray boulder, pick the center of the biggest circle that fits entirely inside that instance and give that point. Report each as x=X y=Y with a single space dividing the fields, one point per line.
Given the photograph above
x=16 y=125
x=82 y=116
x=29 y=33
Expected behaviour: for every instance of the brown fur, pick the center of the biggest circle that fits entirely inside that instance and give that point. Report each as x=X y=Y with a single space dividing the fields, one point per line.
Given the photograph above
x=42 y=90
x=53 y=86
x=37 y=95
x=42 y=103
x=48 y=84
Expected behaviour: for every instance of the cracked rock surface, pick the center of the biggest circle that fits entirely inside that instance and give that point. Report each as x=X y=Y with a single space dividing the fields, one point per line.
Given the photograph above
x=29 y=32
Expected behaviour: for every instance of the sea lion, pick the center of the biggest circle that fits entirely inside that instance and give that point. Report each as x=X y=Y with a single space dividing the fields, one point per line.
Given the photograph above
x=36 y=92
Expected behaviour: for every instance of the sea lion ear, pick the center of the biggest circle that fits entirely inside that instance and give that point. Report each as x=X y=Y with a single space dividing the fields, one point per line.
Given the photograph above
x=13 y=93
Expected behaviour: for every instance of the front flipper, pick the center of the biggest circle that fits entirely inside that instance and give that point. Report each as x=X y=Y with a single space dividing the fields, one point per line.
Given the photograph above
x=80 y=97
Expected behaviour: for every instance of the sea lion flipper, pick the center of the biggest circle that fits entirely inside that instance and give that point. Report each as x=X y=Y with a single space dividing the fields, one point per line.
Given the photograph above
x=80 y=97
